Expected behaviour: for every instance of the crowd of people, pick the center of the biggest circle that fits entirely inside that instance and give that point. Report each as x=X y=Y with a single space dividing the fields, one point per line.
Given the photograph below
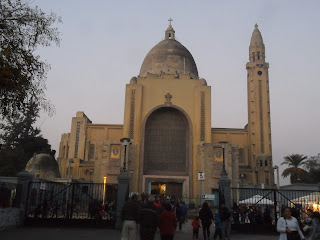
x=290 y=226
x=251 y=214
x=95 y=210
x=151 y=213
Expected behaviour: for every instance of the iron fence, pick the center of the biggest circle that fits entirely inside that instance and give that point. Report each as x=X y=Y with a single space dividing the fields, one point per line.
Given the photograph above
x=87 y=202
x=264 y=206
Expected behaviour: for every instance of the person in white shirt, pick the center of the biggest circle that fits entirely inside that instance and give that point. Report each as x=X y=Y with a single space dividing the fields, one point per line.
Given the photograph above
x=288 y=225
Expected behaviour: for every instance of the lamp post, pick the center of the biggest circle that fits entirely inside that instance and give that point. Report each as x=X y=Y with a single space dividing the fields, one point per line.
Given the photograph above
x=278 y=178
x=131 y=172
x=91 y=171
x=125 y=142
x=104 y=189
x=69 y=169
x=224 y=171
x=69 y=182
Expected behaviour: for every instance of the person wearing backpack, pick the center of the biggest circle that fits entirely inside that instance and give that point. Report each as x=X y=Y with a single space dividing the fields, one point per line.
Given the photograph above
x=225 y=221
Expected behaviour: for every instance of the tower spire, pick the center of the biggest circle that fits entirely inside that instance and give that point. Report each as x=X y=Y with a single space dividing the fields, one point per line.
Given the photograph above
x=256 y=49
x=259 y=124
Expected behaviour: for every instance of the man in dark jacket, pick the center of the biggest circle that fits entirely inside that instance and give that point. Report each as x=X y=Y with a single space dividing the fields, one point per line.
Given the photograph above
x=225 y=221
x=130 y=215
x=149 y=220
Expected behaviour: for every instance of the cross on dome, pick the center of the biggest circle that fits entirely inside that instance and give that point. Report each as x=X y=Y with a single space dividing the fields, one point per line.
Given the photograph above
x=170 y=20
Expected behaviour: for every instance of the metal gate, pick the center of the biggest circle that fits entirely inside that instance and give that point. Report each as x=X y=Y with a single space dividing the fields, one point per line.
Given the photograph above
x=89 y=204
x=264 y=206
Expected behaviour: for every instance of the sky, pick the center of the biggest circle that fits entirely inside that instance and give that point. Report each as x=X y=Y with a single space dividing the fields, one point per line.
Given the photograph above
x=104 y=43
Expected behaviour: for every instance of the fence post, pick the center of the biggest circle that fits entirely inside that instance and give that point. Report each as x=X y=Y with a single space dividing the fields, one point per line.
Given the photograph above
x=24 y=178
x=275 y=206
x=123 y=188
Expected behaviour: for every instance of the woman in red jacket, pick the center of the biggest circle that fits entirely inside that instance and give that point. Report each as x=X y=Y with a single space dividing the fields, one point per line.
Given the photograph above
x=168 y=223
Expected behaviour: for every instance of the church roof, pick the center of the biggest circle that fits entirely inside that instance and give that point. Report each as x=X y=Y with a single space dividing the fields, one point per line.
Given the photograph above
x=169 y=57
x=256 y=38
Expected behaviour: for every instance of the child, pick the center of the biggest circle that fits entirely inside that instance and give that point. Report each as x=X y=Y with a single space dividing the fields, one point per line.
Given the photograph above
x=217 y=231
x=195 y=226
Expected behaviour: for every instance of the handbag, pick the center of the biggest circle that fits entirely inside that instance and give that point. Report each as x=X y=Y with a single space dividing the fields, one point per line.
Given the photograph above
x=294 y=235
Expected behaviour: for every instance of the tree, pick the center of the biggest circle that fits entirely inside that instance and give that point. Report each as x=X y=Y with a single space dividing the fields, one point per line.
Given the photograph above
x=312 y=165
x=295 y=170
x=20 y=140
x=23 y=74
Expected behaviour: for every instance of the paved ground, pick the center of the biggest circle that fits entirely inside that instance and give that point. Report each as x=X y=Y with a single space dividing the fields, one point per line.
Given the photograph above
x=29 y=233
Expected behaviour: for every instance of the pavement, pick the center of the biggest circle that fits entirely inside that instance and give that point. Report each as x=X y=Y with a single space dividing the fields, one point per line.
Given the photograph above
x=43 y=233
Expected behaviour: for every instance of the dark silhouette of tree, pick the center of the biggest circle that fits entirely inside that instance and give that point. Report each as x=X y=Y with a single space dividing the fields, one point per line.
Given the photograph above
x=22 y=73
x=312 y=165
x=295 y=163
x=20 y=140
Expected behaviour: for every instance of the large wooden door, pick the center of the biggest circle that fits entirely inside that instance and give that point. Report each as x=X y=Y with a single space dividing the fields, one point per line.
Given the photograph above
x=174 y=189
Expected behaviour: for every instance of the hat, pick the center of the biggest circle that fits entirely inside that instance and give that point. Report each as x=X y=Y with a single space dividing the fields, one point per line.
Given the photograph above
x=151 y=199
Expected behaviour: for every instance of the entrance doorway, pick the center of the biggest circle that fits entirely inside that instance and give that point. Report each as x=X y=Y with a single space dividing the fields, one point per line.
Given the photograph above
x=167 y=188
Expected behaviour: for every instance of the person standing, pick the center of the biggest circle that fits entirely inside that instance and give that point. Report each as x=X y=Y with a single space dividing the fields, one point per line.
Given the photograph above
x=206 y=217
x=225 y=221
x=168 y=223
x=217 y=231
x=179 y=215
x=55 y=209
x=195 y=227
x=149 y=220
x=315 y=227
x=288 y=226
x=130 y=216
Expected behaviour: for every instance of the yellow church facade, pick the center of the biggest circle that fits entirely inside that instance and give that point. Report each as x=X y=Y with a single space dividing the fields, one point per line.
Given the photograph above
x=167 y=117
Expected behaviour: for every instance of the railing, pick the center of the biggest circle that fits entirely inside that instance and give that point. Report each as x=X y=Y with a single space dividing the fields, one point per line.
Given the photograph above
x=74 y=201
x=264 y=206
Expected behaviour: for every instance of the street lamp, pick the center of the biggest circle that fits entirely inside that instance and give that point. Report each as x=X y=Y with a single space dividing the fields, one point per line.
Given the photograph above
x=69 y=168
x=278 y=178
x=91 y=171
x=69 y=182
x=104 y=189
x=224 y=171
x=125 y=142
x=131 y=172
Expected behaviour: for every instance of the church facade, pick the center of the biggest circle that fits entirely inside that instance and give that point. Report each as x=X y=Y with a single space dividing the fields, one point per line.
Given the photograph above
x=167 y=117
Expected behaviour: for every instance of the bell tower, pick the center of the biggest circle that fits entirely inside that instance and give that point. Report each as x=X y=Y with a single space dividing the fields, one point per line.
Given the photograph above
x=259 y=124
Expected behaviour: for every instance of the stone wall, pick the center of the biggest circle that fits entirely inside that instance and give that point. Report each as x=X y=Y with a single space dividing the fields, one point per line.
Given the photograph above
x=9 y=217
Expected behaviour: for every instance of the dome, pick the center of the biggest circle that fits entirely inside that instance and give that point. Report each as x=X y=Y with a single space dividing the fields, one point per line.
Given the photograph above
x=45 y=167
x=169 y=57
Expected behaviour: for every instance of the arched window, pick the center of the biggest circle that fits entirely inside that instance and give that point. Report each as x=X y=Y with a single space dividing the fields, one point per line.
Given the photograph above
x=166 y=142
x=241 y=156
x=91 y=151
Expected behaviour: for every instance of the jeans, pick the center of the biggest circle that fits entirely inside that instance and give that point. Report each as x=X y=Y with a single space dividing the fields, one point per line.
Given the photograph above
x=129 y=230
x=226 y=229
x=217 y=233
x=166 y=237
x=206 y=231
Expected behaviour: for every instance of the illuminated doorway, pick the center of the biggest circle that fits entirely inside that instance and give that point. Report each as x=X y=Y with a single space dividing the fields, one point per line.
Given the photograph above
x=167 y=188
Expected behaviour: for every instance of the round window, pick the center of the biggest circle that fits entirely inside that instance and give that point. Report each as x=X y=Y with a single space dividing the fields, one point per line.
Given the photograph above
x=259 y=73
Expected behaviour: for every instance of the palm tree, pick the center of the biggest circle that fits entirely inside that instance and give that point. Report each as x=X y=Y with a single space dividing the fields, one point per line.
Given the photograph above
x=295 y=163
